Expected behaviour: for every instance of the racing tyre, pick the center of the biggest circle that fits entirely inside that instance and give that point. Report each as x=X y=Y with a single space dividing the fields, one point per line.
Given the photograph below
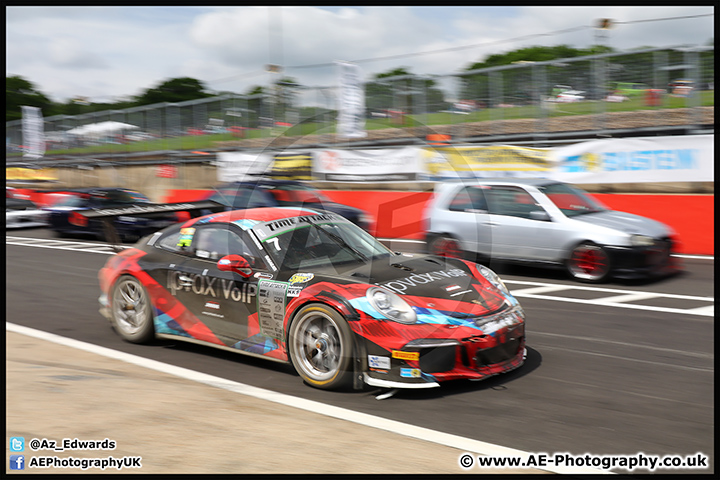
x=589 y=262
x=446 y=246
x=320 y=347
x=131 y=310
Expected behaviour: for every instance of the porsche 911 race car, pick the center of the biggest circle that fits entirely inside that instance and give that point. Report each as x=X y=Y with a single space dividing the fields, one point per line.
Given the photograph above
x=310 y=288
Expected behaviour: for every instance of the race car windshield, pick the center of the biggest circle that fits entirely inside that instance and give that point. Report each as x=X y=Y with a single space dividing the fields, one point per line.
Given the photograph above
x=570 y=200
x=323 y=244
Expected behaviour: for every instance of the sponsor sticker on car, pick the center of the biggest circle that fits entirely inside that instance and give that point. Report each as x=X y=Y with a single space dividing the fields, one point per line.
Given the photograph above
x=410 y=372
x=301 y=278
x=271 y=308
x=399 y=354
x=376 y=361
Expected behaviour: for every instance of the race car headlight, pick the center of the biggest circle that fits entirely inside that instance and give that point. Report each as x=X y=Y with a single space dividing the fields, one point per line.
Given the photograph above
x=492 y=277
x=641 y=241
x=391 y=305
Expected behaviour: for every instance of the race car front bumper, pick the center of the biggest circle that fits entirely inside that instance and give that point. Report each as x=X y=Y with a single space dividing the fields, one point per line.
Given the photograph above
x=423 y=363
x=641 y=262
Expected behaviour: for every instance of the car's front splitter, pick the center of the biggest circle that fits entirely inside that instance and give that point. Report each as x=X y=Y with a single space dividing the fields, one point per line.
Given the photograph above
x=424 y=366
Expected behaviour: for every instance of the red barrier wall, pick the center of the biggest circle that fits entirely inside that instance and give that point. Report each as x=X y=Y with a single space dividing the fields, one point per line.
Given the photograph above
x=400 y=214
x=691 y=216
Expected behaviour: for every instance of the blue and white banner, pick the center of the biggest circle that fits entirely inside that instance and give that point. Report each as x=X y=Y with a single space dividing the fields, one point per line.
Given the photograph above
x=685 y=158
x=351 y=116
x=33 y=132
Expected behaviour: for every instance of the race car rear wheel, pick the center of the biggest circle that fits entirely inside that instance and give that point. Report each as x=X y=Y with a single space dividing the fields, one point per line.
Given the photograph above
x=589 y=262
x=131 y=310
x=320 y=347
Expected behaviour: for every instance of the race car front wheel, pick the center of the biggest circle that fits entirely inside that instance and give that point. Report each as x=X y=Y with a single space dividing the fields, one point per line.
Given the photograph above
x=320 y=344
x=131 y=310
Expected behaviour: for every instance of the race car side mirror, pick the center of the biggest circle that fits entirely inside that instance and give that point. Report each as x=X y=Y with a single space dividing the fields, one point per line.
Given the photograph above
x=540 y=215
x=235 y=263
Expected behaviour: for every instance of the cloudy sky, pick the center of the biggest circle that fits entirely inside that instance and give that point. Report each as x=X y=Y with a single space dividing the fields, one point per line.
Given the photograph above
x=109 y=53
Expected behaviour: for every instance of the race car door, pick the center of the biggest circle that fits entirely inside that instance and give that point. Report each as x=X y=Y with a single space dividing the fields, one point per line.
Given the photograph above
x=516 y=232
x=467 y=212
x=222 y=300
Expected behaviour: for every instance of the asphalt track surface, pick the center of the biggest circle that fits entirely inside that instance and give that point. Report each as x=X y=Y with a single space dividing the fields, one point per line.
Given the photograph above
x=631 y=374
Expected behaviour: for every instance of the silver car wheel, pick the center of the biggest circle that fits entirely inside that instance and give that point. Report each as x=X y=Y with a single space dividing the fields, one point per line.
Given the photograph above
x=131 y=310
x=320 y=346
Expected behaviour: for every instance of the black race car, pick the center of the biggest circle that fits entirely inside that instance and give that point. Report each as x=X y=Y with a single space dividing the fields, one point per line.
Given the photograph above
x=66 y=217
x=284 y=193
x=310 y=288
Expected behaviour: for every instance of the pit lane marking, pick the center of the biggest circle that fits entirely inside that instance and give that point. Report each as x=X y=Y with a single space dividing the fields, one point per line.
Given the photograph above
x=61 y=244
x=536 y=290
x=619 y=298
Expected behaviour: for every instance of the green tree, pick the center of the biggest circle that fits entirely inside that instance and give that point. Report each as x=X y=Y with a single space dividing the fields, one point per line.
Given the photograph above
x=413 y=93
x=19 y=92
x=285 y=90
x=517 y=84
x=257 y=106
x=174 y=90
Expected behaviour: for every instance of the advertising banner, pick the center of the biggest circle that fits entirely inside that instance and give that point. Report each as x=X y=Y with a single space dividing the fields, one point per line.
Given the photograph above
x=483 y=162
x=237 y=166
x=292 y=166
x=368 y=165
x=685 y=158
x=351 y=111
x=15 y=174
x=32 y=129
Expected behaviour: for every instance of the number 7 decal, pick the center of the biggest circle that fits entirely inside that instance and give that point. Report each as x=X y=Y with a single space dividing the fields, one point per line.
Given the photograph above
x=276 y=242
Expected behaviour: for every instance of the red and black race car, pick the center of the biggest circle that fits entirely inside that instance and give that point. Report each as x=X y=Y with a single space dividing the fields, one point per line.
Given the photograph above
x=311 y=288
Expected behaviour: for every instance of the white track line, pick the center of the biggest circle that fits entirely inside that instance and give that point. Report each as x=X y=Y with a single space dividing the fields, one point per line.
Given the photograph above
x=71 y=249
x=448 y=440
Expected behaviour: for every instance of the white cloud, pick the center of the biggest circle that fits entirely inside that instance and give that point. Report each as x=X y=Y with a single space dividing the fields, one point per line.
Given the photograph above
x=120 y=51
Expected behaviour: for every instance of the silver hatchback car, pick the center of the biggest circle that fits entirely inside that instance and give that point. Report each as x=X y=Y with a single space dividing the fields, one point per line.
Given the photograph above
x=545 y=222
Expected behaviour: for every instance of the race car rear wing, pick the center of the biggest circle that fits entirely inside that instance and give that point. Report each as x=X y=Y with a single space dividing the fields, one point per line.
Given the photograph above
x=195 y=209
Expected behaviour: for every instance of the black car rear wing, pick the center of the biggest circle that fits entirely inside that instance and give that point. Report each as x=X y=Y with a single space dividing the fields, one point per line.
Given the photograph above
x=150 y=210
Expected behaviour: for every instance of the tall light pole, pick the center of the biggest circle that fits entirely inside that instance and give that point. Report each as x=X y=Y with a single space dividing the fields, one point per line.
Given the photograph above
x=274 y=71
x=601 y=39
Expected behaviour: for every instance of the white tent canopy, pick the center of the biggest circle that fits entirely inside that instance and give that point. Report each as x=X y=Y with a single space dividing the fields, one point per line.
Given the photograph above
x=101 y=128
